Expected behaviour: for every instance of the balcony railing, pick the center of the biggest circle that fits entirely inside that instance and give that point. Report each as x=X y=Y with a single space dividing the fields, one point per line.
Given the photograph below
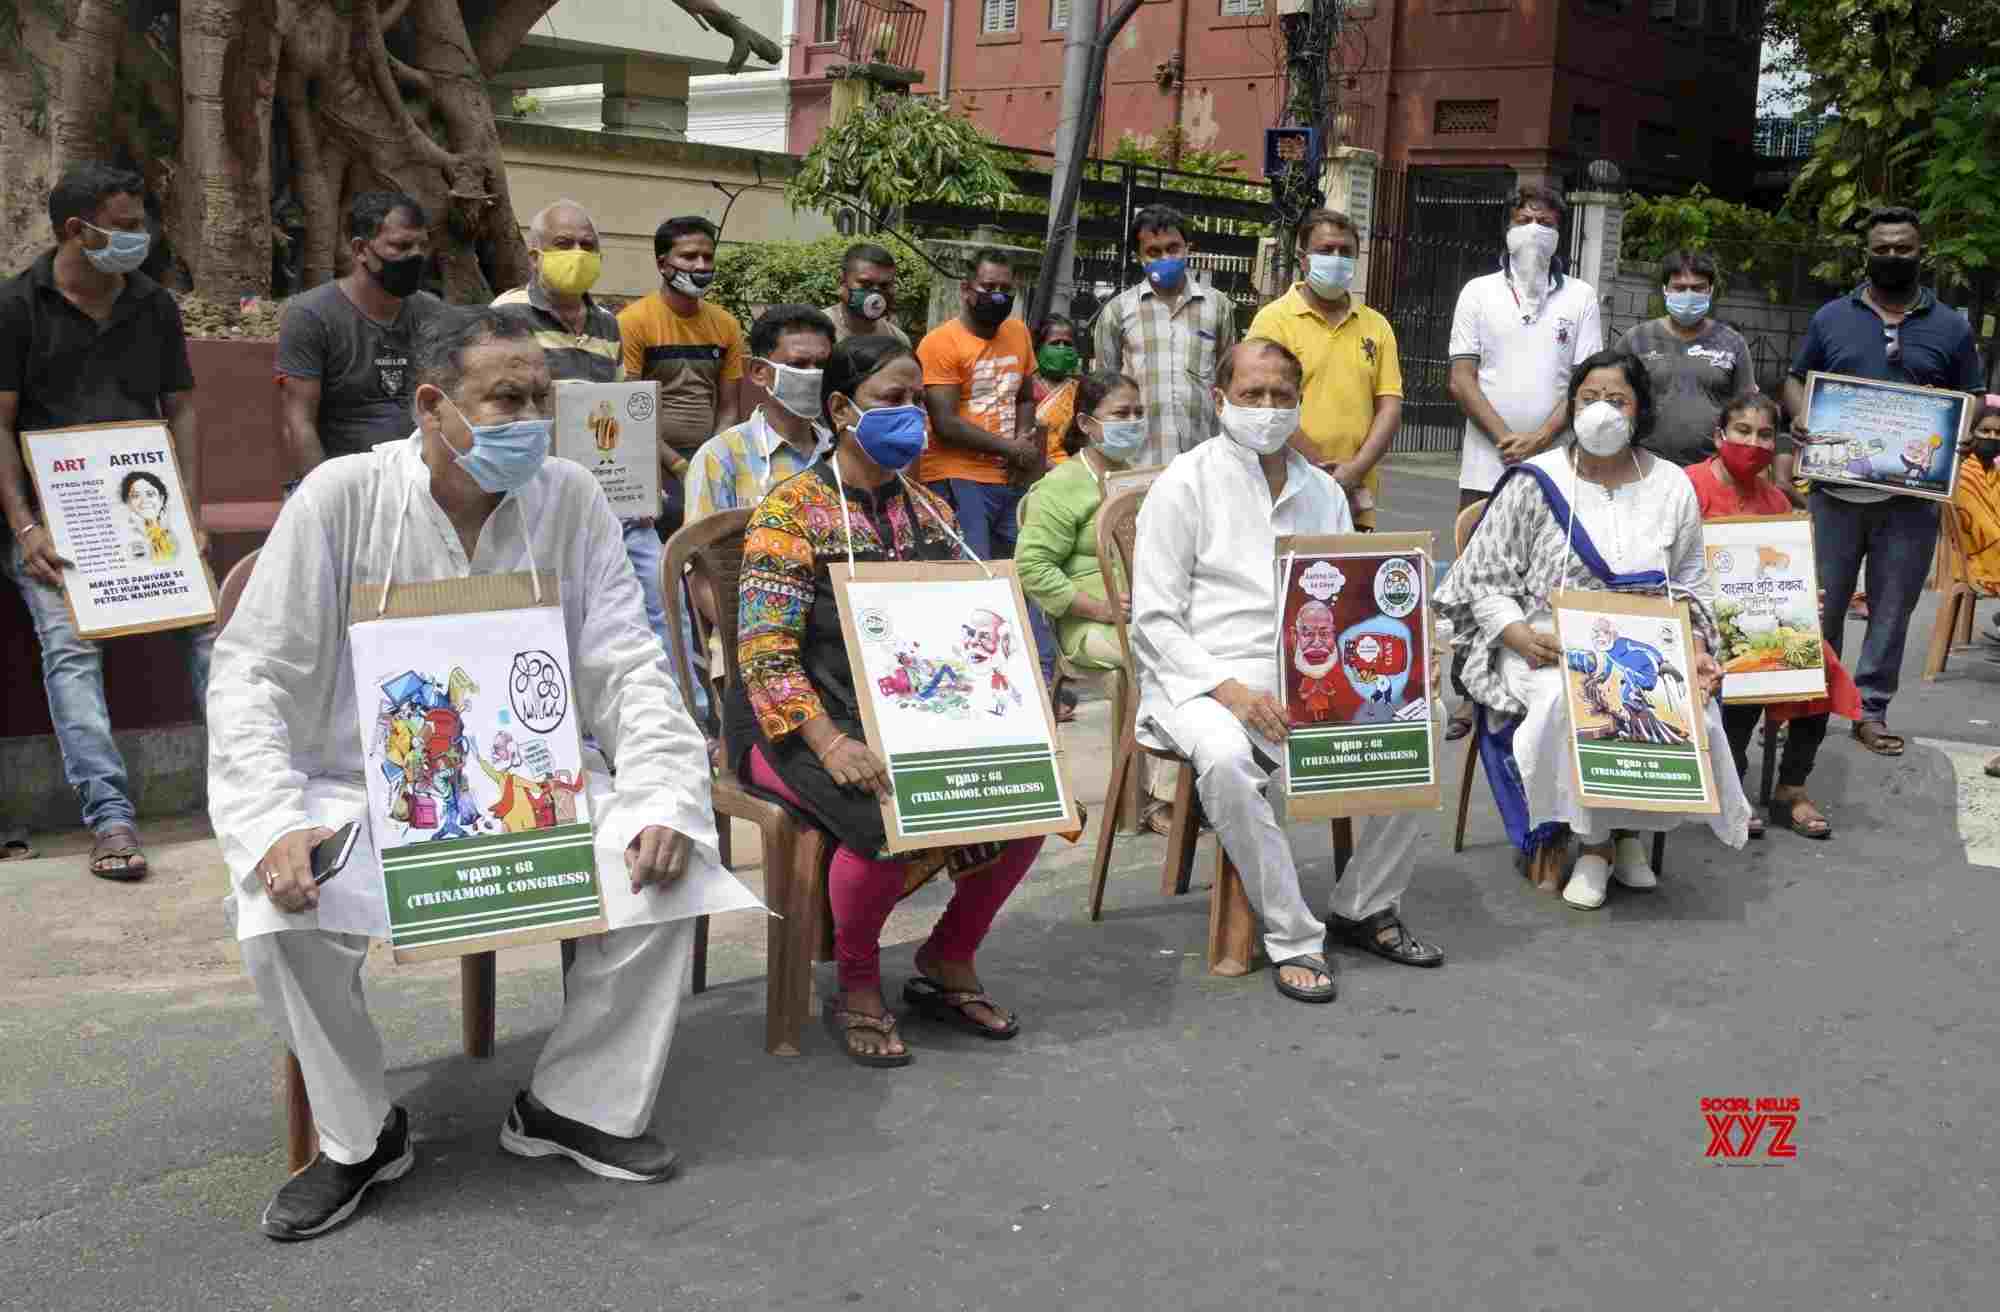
x=886 y=32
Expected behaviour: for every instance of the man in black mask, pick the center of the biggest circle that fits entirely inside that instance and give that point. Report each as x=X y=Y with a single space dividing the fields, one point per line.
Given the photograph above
x=344 y=348
x=1891 y=329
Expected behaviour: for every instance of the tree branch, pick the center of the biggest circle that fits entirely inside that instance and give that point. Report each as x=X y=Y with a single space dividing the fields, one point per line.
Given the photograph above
x=745 y=40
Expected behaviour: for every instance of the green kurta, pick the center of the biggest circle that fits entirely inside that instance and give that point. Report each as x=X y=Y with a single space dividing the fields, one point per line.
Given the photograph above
x=1056 y=554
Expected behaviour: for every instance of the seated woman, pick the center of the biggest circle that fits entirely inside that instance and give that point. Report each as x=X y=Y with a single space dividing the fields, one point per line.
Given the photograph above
x=1731 y=482
x=793 y=725
x=1592 y=512
x=1056 y=554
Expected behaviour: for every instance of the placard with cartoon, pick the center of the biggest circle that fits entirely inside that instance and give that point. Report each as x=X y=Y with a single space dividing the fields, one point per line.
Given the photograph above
x=609 y=429
x=112 y=499
x=952 y=700
x=1890 y=437
x=474 y=765
x=1354 y=652
x=1767 y=606
x=1638 y=734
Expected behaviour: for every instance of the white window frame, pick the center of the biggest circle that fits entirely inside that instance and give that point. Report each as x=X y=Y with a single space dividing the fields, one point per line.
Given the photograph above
x=997 y=17
x=1058 y=15
x=1242 y=8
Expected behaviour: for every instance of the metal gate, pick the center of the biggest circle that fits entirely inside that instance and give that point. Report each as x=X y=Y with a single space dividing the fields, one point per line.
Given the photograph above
x=1434 y=231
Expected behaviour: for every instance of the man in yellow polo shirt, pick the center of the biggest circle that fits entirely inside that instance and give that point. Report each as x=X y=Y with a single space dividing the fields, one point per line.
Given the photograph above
x=1353 y=401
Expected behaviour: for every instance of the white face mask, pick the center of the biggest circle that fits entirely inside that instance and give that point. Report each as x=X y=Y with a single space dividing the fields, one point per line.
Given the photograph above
x=1602 y=429
x=1262 y=430
x=795 y=389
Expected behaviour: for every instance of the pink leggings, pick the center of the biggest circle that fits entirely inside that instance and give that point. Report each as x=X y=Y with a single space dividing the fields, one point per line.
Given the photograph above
x=864 y=891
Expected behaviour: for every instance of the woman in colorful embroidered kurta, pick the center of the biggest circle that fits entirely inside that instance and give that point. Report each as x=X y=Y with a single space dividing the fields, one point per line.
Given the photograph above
x=1635 y=527
x=1976 y=501
x=794 y=725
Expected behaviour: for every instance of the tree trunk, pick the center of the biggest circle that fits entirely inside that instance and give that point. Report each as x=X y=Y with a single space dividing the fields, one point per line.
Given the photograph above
x=83 y=94
x=229 y=67
x=28 y=79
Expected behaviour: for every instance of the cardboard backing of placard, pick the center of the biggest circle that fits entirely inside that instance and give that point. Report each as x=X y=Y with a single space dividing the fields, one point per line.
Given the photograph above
x=1969 y=403
x=187 y=498
x=1812 y=549
x=469 y=596
x=1379 y=801
x=1619 y=603
x=934 y=572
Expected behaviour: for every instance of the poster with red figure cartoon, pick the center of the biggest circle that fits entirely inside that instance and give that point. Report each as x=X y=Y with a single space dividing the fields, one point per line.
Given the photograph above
x=1354 y=653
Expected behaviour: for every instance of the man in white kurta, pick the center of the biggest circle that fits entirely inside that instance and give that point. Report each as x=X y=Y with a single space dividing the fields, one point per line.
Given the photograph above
x=285 y=767
x=1204 y=612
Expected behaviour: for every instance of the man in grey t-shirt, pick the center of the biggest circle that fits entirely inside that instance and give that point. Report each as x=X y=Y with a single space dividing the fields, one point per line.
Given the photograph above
x=345 y=347
x=1695 y=363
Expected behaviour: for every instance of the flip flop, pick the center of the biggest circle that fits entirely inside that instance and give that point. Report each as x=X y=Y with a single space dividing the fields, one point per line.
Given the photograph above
x=16 y=849
x=933 y=1001
x=1875 y=736
x=118 y=842
x=842 y=1023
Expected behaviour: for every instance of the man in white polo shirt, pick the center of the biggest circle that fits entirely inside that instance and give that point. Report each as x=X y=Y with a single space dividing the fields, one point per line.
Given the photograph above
x=1515 y=337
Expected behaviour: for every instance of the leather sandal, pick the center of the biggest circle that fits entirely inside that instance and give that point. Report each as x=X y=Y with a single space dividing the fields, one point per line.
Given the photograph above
x=1459 y=725
x=118 y=842
x=1875 y=736
x=844 y=1024
x=1318 y=964
x=1784 y=814
x=1405 y=948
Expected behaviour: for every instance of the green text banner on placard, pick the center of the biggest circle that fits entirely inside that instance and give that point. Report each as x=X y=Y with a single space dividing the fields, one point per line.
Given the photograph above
x=976 y=787
x=1359 y=757
x=468 y=887
x=1655 y=772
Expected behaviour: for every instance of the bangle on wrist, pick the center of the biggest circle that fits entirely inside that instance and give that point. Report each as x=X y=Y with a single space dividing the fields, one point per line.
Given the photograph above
x=21 y=533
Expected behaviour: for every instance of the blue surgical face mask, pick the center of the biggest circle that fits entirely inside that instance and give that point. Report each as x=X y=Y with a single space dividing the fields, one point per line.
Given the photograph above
x=1167 y=275
x=124 y=252
x=1687 y=307
x=1329 y=275
x=1119 y=440
x=504 y=457
x=892 y=435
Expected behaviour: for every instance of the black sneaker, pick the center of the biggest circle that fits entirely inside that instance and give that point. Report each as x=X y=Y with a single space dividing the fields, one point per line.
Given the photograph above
x=532 y=1130
x=326 y=1193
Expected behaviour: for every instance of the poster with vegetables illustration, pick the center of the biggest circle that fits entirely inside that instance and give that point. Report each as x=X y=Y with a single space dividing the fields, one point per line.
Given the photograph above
x=1767 y=606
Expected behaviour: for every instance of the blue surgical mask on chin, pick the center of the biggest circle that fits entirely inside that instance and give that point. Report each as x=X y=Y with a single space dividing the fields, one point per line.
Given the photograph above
x=504 y=457
x=892 y=435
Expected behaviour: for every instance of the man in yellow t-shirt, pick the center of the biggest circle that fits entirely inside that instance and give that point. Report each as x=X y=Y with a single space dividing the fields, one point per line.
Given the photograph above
x=985 y=446
x=692 y=349
x=1353 y=401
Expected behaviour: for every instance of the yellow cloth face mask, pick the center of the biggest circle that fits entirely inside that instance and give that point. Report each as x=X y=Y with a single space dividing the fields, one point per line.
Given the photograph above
x=571 y=272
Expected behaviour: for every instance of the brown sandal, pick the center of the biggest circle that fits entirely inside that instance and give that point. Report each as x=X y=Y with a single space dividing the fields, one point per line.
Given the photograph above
x=1875 y=736
x=120 y=843
x=843 y=1024
x=950 y=1007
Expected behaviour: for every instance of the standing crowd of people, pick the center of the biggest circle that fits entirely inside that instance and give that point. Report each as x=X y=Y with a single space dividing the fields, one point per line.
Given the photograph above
x=412 y=424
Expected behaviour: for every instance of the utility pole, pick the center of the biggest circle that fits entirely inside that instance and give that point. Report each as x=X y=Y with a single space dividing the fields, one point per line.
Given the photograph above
x=1061 y=248
x=1068 y=180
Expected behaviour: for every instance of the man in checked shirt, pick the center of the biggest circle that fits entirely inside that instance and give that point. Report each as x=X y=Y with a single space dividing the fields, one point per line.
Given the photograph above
x=1167 y=333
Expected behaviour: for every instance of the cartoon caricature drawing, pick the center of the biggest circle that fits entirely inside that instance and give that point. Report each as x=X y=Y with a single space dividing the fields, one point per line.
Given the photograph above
x=921 y=684
x=143 y=497
x=1641 y=668
x=1375 y=657
x=420 y=735
x=986 y=643
x=1314 y=655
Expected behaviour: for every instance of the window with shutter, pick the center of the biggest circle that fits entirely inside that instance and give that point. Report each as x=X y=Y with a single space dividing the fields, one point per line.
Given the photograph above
x=1242 y=8
x=1058 y=15
x=999 y=16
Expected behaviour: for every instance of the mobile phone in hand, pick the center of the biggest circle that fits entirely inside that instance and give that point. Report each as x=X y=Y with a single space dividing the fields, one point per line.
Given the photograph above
x=330 y=854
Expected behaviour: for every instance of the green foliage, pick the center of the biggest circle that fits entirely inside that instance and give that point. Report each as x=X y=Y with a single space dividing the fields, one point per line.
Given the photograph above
x=1751 y=247
x=1958 y=178
x=748 y=277
x=1219 y=173
x=897 y=150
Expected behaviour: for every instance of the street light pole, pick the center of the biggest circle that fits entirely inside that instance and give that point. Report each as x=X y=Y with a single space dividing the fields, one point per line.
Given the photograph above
x=1060 y=250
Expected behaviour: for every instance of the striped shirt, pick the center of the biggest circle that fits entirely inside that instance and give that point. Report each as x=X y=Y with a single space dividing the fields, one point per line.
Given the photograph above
x=594 y=355
x=1172 y=355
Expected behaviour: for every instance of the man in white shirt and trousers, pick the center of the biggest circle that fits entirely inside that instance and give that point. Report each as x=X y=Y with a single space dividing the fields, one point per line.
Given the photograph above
x=1205 y=615
x=1515 y=336
x=470 y=492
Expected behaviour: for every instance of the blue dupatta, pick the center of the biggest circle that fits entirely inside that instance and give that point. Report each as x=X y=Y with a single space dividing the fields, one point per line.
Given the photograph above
x=1496 y=744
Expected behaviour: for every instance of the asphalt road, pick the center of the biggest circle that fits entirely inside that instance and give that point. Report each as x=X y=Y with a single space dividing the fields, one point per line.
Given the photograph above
x=1521 y=1129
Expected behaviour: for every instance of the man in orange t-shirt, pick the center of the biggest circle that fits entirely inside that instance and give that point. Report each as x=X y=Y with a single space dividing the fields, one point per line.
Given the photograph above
x=985 y=447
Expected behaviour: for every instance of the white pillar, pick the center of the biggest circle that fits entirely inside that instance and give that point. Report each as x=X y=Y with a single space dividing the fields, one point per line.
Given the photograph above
x=1349 y=184
x=1600 y=219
